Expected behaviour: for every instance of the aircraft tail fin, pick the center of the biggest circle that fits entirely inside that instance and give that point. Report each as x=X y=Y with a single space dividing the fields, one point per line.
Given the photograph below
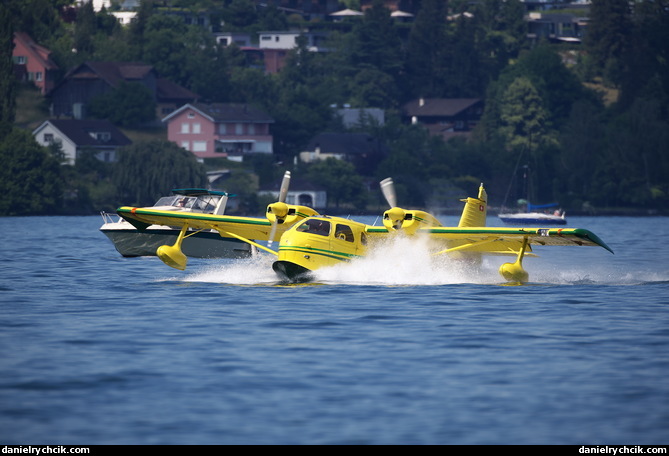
x=475 y=210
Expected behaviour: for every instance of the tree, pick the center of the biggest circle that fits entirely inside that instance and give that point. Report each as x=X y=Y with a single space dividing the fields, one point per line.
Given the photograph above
x=608 y=34
x=7 y=80
x=85 y=28
x=164 y=46
x=428 y=50
x=646 y=60
x=339 y=179
x=524 y=127
x=375 y=42
x=30 y=178
x=146 y=170
x=558 y=87
x=131 y=103
x=300 y=105
x=581 y=154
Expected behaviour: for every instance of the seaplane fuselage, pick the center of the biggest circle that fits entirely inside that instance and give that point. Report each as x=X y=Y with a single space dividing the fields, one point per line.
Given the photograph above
x=318 y=242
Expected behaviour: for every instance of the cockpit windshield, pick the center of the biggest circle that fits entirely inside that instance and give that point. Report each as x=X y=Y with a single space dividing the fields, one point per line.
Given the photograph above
x=315 y=226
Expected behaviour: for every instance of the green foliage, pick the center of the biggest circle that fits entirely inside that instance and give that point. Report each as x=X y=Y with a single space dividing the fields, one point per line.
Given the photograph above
x=340 y=180
x=523 y=118
x=584 y=153
x=30 y=178
x=146 y=170
x=129 y=104
x=608 y=36
x=7 y=82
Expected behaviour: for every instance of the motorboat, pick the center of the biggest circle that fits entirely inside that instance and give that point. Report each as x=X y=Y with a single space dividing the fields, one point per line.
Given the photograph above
x=131 y=242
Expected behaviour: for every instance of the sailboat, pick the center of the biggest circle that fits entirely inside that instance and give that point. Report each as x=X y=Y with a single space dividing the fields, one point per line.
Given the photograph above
x=533 y=214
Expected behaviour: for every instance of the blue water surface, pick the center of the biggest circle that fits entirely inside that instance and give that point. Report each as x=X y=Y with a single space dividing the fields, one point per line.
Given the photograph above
x=395 y=349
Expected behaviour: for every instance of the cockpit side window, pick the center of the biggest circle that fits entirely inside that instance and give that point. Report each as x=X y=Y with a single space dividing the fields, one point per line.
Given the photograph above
x=344 y=232
x=315 y=226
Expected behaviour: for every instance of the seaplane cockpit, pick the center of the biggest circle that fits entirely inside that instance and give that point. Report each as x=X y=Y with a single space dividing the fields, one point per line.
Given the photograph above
x=319 y=241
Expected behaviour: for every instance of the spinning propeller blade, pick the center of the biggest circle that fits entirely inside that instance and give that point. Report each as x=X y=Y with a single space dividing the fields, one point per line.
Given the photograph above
x=388 y=189
x=393 y=218
x=285 y=183
x=283 y=193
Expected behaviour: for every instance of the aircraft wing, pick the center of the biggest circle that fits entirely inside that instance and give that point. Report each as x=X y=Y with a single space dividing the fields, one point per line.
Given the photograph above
x=508 y=240
x=246 y=227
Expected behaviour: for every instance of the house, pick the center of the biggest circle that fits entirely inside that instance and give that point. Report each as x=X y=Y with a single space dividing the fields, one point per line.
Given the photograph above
x=71 y=97
x=241 y=39
x=357 y=117
x=33 y=63
x=361 y=149
x=557 y=27
x=301 y=192
x=446 y=117
x=229 y=130
x=77 y=136
x=276 y=45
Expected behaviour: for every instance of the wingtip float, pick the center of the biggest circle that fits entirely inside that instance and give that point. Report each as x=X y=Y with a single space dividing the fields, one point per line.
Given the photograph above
x=309 y=241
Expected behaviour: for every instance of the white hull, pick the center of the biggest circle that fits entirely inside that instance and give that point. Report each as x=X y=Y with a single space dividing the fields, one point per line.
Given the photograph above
x=533 y=218
x=130 y=242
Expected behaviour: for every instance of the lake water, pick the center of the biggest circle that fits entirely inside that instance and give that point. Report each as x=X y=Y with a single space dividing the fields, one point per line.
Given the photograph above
x=100 y=349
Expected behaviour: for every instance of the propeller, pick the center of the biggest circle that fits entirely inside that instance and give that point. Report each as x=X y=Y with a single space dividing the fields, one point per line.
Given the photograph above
x=280 y=208
x=388 y=189
x=393 y=217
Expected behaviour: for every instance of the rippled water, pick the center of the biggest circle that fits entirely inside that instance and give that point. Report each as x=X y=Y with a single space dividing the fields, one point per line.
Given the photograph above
x=100 y=349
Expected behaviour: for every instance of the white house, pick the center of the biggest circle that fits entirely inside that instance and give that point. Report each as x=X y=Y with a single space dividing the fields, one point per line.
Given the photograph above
x=76 y=136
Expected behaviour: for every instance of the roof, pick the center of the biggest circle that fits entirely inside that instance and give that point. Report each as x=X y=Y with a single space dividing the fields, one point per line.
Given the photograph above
x=112 y=72
x=344 y=143
x=168 y=90
x=39 y=52
x=226 y=112
x=423 y=107
x=79 y=132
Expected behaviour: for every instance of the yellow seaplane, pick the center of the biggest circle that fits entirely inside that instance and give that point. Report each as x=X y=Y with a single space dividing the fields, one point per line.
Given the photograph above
x=308 y=240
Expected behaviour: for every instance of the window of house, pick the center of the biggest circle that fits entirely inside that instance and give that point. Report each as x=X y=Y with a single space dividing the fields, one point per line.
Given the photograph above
x=101 y=135
x=38 y=76
x=185 y=128
x=222 y=129
x=197 y=128
x=239 y=129
x=185 y=145
x=252 y=129
x=48 y=138
x=191 y=115
x=199 y=146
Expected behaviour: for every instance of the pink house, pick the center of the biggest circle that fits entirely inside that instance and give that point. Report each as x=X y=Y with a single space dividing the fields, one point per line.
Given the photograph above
x=32 y=62
x=229 y=130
